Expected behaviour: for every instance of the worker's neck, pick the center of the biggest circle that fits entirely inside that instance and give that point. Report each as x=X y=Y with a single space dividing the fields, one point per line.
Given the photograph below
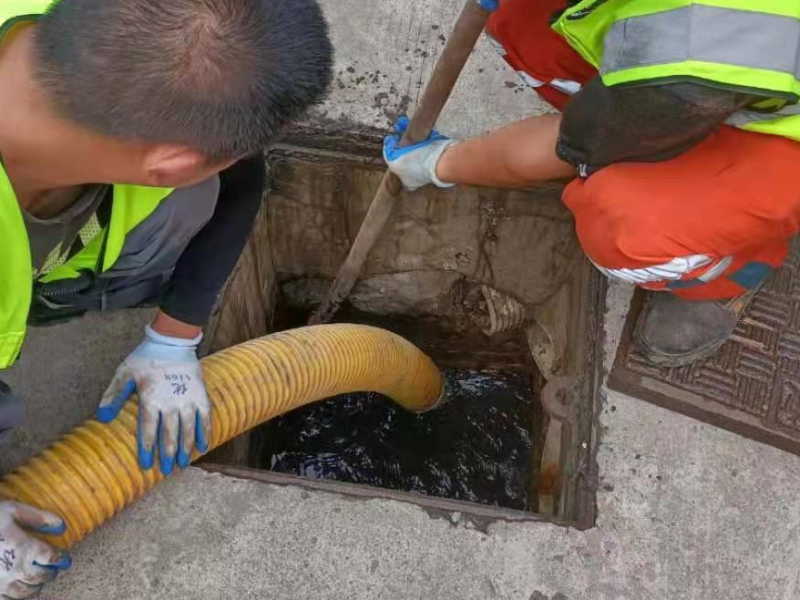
x=41 y=153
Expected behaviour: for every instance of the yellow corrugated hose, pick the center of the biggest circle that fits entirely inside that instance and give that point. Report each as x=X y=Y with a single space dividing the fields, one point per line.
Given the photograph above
x=92 y=474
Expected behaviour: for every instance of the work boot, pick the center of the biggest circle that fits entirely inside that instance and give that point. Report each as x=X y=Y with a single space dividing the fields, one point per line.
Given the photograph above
x=672 y=332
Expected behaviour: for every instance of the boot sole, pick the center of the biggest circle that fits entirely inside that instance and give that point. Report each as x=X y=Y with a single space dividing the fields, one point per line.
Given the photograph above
x=683 y=360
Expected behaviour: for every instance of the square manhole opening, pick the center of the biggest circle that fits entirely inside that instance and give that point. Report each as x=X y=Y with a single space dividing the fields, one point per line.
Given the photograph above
x=515 y=438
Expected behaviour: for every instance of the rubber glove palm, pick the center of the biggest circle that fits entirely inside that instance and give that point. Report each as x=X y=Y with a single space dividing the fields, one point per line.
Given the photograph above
x=26 y=563
x=174 y=410
x=415 y=164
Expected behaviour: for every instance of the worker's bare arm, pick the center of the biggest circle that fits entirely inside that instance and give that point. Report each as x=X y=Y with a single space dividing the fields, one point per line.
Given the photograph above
x=601 y=126
x=517 y=155
x=170 y=326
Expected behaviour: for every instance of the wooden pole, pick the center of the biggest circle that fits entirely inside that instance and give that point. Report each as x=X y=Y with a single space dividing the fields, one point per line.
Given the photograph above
x=462 y=41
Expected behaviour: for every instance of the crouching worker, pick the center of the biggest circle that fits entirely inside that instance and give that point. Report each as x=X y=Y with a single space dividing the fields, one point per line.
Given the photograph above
x=680 y=120
x=130 y=175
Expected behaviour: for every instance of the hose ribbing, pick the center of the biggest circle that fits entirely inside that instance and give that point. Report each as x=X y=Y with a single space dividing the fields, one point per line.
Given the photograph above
x=92 y=474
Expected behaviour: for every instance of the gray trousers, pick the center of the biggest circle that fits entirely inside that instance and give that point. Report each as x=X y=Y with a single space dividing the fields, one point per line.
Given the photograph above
x=12 y=412
x=148 y=257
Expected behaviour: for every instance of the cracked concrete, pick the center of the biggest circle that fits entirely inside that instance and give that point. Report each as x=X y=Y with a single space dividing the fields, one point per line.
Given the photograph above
x=686 y=511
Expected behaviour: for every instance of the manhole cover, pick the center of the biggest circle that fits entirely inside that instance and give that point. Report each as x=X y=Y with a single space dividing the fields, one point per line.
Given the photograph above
x=752 y=386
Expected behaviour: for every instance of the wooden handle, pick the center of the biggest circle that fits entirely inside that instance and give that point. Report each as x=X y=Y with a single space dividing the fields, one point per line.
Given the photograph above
x=462 y=42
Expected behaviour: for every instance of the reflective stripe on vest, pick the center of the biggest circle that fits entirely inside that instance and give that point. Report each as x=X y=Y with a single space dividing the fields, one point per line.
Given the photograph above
x=785 y=122
x=743 y=45
x=59 y=255
x=130 y=206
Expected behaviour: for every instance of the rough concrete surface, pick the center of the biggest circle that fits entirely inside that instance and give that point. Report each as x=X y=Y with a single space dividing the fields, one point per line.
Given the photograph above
x=62 y=372
x=686 y=511
x=385 y=52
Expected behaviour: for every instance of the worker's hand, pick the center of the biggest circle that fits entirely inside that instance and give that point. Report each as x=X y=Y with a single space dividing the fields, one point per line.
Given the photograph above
x=415 y=165
x=490 y=5
x=174 y=411
x=27 y=563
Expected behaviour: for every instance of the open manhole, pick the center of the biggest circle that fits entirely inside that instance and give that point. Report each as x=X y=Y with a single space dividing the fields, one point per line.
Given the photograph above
x=489 y=283
x=477 y=447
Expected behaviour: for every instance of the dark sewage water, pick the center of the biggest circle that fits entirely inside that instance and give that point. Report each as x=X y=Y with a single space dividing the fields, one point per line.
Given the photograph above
x=478 y=447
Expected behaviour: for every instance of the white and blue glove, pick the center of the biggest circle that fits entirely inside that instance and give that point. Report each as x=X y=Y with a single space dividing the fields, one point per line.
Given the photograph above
x=415 y=165
x=26 y=563
x=174 y=410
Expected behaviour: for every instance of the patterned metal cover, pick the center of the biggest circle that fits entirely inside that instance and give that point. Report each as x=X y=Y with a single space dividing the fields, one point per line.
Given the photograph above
x=752 y=386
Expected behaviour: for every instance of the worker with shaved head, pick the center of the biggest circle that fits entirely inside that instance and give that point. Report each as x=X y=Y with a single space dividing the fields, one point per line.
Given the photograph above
x=130 y=175
x=679 y=128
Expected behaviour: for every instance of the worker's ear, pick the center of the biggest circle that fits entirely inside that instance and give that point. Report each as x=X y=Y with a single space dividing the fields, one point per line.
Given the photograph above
x=174 y=165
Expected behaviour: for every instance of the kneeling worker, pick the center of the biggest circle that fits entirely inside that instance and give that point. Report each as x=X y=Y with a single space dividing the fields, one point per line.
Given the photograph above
x=680 y=120
x=118 y=117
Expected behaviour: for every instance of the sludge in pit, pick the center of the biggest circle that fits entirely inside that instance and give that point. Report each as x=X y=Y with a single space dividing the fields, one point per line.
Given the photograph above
x=477 y=447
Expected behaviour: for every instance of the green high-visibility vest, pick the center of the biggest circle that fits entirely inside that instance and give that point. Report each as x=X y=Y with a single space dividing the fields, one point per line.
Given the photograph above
x=743 y=45
x=130 y=206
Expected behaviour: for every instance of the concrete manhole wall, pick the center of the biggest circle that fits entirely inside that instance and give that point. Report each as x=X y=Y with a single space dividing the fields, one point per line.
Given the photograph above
x=478 y=278
x=521 y=243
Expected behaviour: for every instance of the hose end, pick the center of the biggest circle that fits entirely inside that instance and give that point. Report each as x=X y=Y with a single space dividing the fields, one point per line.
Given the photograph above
x=444 y=398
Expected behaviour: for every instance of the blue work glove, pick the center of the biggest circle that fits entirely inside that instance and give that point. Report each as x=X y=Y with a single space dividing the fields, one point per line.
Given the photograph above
x=490 y=5
x=174 y=411
x=27 y=563
x=415 y=165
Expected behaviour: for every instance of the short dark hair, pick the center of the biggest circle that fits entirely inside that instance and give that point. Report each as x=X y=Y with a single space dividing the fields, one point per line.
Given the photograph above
x=221 y=76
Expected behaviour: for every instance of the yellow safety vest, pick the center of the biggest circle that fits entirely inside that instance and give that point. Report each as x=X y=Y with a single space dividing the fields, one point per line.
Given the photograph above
x=130 y=206
x=749 y=46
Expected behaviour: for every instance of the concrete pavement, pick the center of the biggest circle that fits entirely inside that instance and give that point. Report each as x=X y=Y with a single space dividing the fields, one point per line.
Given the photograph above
x=686 y=511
